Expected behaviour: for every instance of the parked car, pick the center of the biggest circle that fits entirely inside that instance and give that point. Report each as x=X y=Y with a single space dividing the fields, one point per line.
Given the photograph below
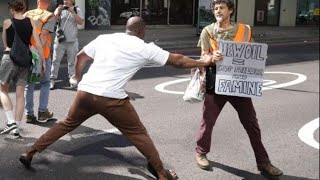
x=303 y=16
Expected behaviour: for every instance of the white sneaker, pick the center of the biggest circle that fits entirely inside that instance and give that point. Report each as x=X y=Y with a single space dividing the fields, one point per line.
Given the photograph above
x=52 y=83
x=15 y=133
x=9 y=128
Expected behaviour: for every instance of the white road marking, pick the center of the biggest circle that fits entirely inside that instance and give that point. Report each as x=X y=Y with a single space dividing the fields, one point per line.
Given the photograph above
x=300 y=78
x=161 y=87
x=69 y=137
x=100 y=132
x=268 y=82
x=307 y=131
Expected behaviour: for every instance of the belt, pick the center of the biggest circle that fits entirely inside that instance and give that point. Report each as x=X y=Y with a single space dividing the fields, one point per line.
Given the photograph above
x=6 y=52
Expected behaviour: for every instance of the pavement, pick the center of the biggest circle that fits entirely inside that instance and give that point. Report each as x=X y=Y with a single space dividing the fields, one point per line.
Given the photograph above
x=185 y=36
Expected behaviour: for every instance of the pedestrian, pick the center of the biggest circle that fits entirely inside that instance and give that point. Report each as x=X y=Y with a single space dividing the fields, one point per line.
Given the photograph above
x=11 y=72
x=66 y=40
x=116 y=58
x=224 y=29
x=45 y=22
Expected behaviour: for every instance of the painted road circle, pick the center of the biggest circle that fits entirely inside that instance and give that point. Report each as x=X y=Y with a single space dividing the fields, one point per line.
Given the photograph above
x=270 y=83
x=307 y=131
x=300 y=78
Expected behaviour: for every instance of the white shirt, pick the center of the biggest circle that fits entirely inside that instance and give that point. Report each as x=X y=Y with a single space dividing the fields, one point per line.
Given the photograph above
x=69 y=25
x=116 y=58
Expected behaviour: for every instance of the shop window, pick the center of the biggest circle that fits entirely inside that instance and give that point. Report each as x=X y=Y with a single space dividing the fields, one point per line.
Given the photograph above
x=273 y=12
x=153 y=11
x=181 y=11
x=124 y=9
x=307 y=12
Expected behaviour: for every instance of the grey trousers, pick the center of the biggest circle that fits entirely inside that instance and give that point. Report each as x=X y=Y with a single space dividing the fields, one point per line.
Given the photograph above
x=59 y=50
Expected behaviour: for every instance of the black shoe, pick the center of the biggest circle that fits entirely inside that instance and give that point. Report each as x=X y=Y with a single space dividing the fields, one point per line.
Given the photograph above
x=269 y=170
x=32 y=119
x=25 y=161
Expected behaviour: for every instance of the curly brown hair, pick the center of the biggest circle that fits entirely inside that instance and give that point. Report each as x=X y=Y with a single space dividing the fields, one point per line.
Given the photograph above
x=17 y=5
x=229 y=3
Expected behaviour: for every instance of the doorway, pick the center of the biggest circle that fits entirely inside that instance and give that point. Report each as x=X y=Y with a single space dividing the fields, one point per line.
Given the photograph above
x=267 y=12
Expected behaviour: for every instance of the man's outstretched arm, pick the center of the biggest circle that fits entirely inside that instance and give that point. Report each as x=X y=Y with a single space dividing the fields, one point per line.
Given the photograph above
x=181 y=61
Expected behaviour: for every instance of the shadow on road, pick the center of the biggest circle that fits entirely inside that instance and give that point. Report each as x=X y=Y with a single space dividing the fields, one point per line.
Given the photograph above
x=87 y=157
x=251 y=176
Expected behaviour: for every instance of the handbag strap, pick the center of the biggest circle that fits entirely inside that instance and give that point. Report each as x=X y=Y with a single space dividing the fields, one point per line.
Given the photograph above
x=14 y=27
x=59 y=23
x=16 y=32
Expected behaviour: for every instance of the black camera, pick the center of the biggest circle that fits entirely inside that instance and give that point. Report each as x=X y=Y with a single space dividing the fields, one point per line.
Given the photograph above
x=65 y=7
x=60 y=36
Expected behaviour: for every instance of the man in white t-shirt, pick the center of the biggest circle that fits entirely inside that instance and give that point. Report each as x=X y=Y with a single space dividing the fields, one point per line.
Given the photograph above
x=116 y=58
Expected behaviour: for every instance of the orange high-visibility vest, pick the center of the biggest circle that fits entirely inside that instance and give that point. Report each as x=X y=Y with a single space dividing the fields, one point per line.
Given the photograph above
x=243 y=35
x=40 y=16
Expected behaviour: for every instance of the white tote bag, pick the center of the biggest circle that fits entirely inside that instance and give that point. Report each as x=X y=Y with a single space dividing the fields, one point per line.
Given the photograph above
x=197 y=86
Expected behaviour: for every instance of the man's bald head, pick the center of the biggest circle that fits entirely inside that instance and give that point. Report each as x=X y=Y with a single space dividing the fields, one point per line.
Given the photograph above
x=136 y=26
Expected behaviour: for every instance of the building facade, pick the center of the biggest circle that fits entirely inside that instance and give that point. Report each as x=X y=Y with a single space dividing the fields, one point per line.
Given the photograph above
x=100 y=14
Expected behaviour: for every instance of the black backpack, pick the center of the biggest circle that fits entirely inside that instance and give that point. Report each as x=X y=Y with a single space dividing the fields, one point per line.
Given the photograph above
x=20 y=53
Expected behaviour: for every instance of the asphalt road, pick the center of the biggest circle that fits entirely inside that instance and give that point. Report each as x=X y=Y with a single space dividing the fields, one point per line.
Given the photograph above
x=98 y=151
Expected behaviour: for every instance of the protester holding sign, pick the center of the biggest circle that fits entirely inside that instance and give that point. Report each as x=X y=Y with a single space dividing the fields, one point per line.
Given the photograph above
x=223 y=29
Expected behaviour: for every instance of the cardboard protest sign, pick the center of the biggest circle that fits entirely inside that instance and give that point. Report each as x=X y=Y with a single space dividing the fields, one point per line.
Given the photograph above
x=240 y=73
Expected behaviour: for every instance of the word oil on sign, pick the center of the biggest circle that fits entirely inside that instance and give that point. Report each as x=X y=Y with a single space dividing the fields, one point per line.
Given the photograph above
x=240 y=73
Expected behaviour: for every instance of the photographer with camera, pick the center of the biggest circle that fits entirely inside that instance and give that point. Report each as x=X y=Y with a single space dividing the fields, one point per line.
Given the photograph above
x=68 y=16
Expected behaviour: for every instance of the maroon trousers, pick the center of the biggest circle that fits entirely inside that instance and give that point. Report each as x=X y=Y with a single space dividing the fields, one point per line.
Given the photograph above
x=119 y=112
x=212 y=107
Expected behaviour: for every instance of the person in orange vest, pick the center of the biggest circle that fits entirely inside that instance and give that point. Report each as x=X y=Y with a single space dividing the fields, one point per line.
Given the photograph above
x=224 y=29
x=45 y=22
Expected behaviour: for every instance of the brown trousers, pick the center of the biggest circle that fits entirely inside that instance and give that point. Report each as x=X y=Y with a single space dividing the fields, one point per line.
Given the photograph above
x=119 y=112
x=212 y=107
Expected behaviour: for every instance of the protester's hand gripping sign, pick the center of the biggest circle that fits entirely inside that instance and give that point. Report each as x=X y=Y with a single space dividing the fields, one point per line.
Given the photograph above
x=240 y=73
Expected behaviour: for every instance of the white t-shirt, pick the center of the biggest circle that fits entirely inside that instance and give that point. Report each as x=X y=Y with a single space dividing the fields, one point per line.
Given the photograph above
x=116 y=58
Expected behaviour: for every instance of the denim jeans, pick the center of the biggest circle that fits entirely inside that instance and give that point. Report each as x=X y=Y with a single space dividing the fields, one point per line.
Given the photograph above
x=44 y=92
